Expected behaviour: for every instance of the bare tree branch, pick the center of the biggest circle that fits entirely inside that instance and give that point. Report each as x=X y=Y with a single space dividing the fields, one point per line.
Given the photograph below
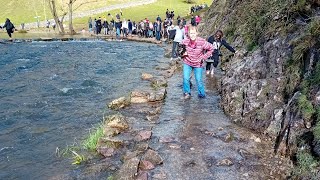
x=83 y=4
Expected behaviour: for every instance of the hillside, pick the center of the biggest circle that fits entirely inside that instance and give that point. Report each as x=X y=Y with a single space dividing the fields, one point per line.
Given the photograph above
x=25 y=11
x=272 y=85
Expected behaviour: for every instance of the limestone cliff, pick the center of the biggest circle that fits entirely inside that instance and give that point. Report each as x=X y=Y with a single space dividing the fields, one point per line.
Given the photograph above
x=273 y=84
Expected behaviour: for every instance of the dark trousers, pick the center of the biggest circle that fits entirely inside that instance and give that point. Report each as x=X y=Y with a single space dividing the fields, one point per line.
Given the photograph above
x=174 y=49
x=9 y=31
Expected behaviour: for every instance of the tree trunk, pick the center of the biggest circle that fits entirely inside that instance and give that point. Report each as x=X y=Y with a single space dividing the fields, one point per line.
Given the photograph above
x=71 y=30
x=53 y=9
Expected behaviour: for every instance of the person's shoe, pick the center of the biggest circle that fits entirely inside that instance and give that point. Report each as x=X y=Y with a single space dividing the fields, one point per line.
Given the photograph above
x=201 y=96
x=208 y=72
x=171 y=59
x=186 y=96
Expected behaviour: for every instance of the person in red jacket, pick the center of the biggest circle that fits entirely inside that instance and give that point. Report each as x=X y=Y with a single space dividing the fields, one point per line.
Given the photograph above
x=197 y=51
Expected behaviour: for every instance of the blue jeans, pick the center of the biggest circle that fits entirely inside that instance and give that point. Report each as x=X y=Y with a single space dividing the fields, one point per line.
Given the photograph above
x=174 y=49
x=186 y=79
x=158 y=36
x=118 y=33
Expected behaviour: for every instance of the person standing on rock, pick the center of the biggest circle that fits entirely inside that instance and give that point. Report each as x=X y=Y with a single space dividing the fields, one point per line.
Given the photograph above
x=197 y=51
x=217 y=41
x=9 y=27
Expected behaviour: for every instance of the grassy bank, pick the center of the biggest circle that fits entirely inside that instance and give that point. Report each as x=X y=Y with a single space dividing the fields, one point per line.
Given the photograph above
x=26 y=10
x=150 y=11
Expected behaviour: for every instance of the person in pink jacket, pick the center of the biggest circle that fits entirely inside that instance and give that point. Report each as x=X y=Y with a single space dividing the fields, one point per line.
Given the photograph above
x=198 y=19
x=197 y=50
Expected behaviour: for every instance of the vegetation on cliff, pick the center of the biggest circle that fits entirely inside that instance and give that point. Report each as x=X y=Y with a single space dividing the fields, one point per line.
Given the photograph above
x=257 y=27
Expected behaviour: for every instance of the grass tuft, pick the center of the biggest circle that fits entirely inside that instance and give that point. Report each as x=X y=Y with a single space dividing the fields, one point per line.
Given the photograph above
x=91 y=142
x=306 y=107
x=306 y=165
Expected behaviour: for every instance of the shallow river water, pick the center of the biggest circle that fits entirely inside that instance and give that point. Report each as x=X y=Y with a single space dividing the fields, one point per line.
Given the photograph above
x=52 y=93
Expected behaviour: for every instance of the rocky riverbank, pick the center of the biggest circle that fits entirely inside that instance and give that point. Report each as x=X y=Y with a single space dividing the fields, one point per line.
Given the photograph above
x=155 y=134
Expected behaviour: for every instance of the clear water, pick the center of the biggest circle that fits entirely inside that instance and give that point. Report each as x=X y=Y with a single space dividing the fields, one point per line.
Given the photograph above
x=52 y=93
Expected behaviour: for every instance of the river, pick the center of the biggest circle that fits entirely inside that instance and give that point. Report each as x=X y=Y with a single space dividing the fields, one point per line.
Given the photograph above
x=52 y=93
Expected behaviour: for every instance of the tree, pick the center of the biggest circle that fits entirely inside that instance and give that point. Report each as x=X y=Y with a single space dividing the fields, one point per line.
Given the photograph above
x=65 y=10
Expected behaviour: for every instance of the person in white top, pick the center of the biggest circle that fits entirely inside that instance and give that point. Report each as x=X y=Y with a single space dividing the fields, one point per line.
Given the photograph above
x=177 y=40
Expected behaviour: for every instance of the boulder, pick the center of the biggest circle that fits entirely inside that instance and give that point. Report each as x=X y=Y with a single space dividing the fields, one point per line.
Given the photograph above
x=143 y=135
x=146 y=76
x=128 y=170
x=146 y=165
x=158 y=95
x=139 y=97
x=117 y=121
x=119 y=103
x=106 y=151
x=159 y=82
x=153 y=157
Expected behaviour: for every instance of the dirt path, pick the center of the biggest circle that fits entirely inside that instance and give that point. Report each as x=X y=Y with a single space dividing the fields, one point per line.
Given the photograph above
x=95 y=11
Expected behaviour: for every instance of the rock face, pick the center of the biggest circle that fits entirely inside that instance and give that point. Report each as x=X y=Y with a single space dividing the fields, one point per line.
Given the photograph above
x=253 y=87
x=260 y=89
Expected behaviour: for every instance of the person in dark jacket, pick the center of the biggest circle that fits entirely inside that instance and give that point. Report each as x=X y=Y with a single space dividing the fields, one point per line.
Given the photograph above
x=217 y=42
x=9 y=27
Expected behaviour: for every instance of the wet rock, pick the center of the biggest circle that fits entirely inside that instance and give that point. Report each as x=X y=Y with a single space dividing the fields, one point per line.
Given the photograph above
x=146 y=76
x=139 y=97
x=155 y=111
x=112 y=142
x=119 y=103
x=108 y=131
x=146 y=165
x=142 y=175
x=158 y=95
x=142 y=147
x=225 y=162
x=130 y=155
x=174 y=146
x=106 y=151
x=117 y=121
x=159 y=82
x=166 y=139
x=152 y=118
x=163 y=67
x=153 y=157
x=129 y=169
x=220 y=128
x=244 y=153
x=143 y=135
x=229 y=137
x=161 y=175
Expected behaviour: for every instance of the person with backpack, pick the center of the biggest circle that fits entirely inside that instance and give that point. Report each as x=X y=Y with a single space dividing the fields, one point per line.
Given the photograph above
x=9 y=27
x=217 y=41
x=197 y=50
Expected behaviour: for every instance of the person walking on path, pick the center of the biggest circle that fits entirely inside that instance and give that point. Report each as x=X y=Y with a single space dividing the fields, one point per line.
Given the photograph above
x=9 y=27
x=217 y=41
x=197 y=51
x=177 y=40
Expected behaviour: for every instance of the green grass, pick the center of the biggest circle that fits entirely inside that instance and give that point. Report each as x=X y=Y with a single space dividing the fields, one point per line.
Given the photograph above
x=25 y=10
x=306 y=107
x=150 y=11
x=91 y=142
x=306 y=165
